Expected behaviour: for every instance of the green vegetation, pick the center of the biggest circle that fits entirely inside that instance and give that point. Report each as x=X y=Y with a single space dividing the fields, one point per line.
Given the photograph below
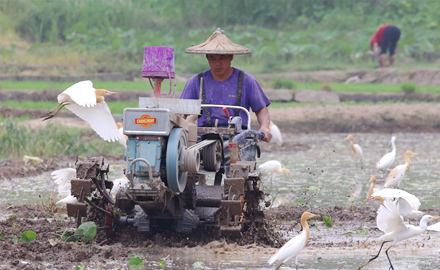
x=51 y=140
x=120 y=85
x=409 y=87
x=28 y=236
x=85 y=233
x=328 y=221
x=104 y=36
x=284 y=83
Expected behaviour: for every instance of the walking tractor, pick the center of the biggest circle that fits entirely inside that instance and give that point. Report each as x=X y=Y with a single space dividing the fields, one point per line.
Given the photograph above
x=168 y=159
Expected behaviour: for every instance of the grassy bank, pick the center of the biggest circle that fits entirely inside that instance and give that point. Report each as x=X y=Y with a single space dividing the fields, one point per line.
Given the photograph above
x=18 y=140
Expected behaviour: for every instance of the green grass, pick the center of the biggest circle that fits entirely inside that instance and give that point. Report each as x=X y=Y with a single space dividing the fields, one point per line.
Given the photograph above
x=116 y=107
x=297 y=104
x=362 y=87
x=121 y=85
x=51 y=140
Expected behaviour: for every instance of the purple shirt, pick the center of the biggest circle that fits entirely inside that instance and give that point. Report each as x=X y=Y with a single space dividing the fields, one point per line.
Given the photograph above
x=225 y=93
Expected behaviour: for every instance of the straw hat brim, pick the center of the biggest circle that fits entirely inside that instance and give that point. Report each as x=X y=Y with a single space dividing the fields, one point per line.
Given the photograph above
x=218 y=43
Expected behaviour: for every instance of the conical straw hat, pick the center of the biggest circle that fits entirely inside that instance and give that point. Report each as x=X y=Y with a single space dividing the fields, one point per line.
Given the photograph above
x=218 y=43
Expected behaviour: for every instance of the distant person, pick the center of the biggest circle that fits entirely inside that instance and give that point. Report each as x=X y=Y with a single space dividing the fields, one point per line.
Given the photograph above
x=385 y=39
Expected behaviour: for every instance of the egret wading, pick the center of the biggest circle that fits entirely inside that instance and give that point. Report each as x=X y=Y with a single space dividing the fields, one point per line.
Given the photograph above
x=396 y=175
x=357 y=150
x=88 y=104
x=274 y=166
x=293 y=247
x=388 y=159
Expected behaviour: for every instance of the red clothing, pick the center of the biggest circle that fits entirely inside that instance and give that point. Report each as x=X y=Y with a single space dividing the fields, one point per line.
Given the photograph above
x=377 y=37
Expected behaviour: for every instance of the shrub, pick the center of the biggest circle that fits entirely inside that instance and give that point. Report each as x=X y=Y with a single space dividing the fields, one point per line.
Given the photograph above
x=284 y=83
x=409 y=87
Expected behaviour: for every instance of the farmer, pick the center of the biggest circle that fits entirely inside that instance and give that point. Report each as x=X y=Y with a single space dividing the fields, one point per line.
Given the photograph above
x=384 y=39
x=226 y=85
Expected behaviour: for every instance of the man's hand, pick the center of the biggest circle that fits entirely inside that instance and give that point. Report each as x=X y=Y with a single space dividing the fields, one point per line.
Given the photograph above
x=264 y=120
x=267 y=134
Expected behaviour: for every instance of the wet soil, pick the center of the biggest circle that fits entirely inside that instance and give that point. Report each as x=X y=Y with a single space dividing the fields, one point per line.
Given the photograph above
x=49 y=221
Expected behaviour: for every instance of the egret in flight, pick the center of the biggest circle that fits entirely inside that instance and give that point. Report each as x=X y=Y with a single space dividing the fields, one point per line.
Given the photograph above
x=357 y=150
x=388 y=159
x=396 y=175
x=389 y=221
x=293 y=247
x=88 y=104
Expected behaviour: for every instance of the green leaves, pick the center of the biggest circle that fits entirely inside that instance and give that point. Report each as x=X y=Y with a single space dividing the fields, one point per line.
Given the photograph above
x=135 y=264
x=84 y=233
x=28 y=236
x=328 y=221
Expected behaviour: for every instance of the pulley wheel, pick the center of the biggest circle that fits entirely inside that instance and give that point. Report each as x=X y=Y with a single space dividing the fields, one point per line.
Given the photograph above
x=212 y=157
x=177 y=141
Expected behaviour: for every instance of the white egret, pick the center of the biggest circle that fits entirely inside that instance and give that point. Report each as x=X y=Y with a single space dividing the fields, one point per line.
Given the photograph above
x=293 y=247
x=389 y=221
x=357 y=150
x=88 y=104
x=396 y=175
x=371 y=190
x=388 y=159
x=276 y=134
x=274 y=166
x=62 y=178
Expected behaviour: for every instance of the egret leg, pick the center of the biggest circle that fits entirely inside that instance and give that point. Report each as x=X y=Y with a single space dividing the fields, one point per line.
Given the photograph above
x=391 y=265
x=53 y=112
x=278 y=267
x=375 y=257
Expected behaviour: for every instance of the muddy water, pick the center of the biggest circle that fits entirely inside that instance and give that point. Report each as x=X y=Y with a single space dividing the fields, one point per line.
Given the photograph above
x=324 y=175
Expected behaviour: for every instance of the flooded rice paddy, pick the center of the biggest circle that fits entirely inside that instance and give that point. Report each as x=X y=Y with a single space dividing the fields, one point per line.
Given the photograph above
x=324 y=175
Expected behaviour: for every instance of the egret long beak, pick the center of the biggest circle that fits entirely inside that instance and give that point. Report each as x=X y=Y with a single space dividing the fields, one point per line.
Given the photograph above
x=434 y=217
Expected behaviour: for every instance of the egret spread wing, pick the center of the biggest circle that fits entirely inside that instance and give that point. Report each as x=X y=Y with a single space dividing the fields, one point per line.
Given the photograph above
x=62 y=178
x=82 y=93
x=412 y=200
x=62 y=175
x=100 y=119
x=434 y=227
x=388 y=217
